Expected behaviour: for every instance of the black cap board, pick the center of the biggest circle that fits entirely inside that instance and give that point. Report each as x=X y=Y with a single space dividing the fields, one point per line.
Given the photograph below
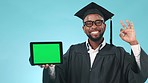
x=94 y=8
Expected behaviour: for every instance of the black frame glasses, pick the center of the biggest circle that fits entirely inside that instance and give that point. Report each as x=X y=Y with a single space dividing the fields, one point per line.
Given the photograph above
x=90 y=23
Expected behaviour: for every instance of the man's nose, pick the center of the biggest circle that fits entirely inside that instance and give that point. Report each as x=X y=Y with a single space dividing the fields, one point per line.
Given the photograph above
x=94 y=26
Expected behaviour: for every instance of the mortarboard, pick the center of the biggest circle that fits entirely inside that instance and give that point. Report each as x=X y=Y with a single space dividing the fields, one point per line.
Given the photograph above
x=94 y=8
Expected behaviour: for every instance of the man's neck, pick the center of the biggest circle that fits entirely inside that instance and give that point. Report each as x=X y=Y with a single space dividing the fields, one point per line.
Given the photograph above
x=95 y=44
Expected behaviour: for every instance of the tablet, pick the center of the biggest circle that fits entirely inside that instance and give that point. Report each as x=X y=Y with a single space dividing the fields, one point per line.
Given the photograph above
x=46 y=53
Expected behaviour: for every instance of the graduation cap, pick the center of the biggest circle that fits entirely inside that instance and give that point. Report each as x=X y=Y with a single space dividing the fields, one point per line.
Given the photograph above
x=94 y=8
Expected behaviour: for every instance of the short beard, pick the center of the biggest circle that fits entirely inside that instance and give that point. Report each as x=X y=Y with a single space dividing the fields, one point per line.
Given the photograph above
x=95 y=39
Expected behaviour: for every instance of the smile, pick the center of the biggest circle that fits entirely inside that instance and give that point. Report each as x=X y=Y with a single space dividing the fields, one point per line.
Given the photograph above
x=94 y=32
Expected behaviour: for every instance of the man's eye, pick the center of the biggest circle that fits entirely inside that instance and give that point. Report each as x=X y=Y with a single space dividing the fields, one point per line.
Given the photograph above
x=89 y=23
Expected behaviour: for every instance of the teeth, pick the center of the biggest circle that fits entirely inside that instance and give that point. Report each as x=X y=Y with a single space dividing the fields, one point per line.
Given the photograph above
x=94 y=32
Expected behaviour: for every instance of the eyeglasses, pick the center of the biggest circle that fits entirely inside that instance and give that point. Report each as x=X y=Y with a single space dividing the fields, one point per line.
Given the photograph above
x=90 y=23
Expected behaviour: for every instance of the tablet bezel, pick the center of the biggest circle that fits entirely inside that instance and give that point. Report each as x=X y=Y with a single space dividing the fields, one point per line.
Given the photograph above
x=32 y=55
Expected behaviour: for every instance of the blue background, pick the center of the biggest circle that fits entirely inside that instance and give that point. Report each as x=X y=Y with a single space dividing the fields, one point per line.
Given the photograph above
x=23 y=21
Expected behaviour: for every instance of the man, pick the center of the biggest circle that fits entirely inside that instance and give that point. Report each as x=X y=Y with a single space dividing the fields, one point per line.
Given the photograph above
x=95 y=61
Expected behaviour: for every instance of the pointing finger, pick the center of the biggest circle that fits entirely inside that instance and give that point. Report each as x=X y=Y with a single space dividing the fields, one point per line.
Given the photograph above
x=124 y=26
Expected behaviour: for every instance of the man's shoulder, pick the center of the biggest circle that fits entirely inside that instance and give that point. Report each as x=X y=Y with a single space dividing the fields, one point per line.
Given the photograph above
x=79 y=44
x=113 y=48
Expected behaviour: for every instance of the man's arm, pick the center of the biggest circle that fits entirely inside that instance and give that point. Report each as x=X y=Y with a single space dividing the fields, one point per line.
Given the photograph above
x=136 y=51
x=128 y=35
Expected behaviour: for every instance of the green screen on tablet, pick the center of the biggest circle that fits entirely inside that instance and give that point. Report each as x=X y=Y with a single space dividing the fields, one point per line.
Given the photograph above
x=46 y=52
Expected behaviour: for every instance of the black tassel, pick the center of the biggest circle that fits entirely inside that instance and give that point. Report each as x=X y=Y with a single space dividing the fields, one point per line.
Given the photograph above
x=111 y=31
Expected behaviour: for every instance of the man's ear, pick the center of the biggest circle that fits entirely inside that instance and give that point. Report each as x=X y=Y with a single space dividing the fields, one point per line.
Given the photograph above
x=83 y=27
x=104 y=26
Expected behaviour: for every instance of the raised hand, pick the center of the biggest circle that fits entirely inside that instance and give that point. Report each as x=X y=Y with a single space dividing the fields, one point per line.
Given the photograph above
x=128 y=33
